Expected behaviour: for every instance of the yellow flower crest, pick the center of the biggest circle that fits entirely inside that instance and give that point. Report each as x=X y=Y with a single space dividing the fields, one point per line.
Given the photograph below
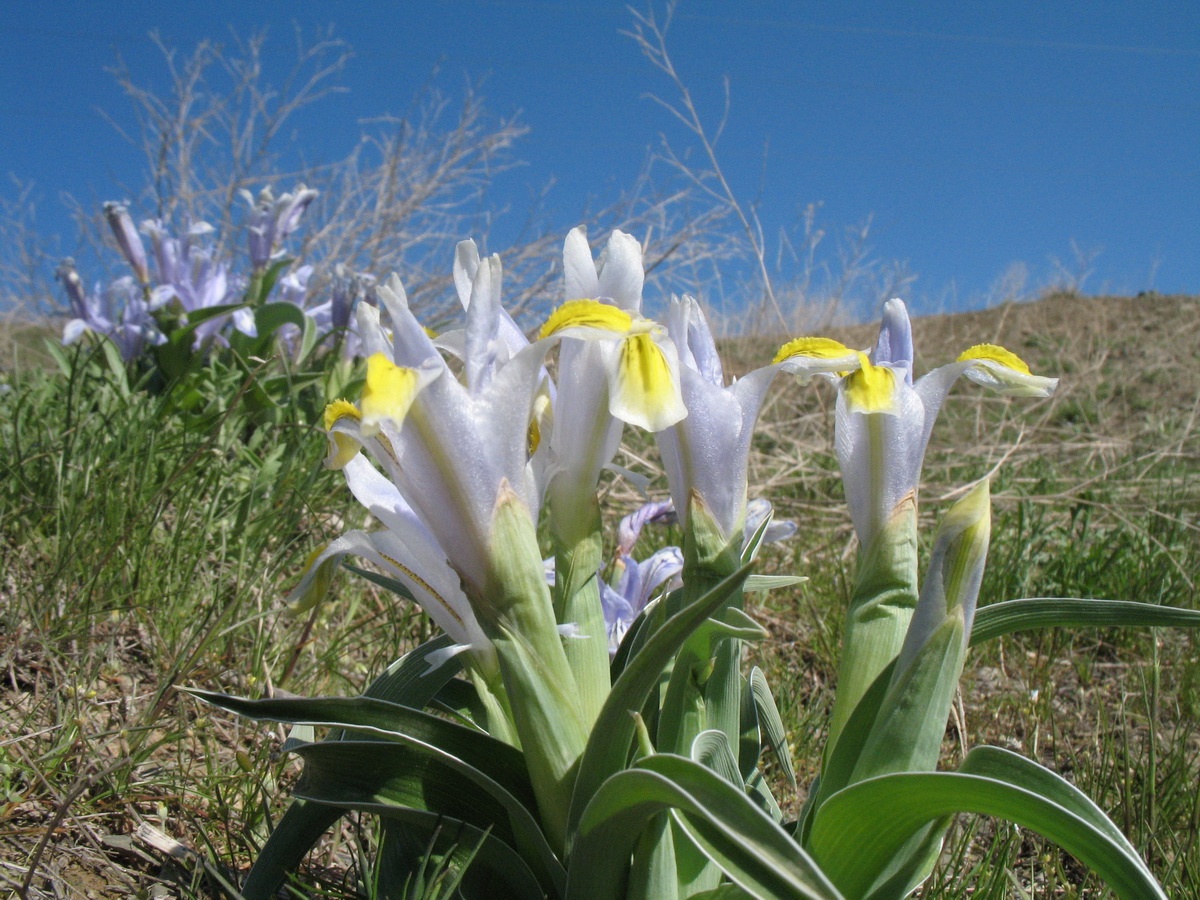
x=342 y=447
x=812 y=347
x=871 y=389
x=587 y=314
x=339 y=409
x=995 y=353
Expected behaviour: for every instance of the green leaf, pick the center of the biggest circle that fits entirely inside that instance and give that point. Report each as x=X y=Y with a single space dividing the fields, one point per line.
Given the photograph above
x=200 y=316
x=1055 y=612
x=1004 y=765
x=297 y=831
x=496 y=760
x=308 y=338
x=410 y=680
x=608 y=745
x=390 y=584
x=752 y=850
x=270 y=317
x=724 y=892
x=858 y=832
x=380 y=777
x=711 y=749
x=770 y=582
x=771 y=723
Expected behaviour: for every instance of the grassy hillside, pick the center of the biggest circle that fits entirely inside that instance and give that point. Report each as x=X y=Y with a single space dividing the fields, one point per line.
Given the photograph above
x=140 y=552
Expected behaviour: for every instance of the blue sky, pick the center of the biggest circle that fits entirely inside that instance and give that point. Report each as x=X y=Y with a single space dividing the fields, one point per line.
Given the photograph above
x=976 y=135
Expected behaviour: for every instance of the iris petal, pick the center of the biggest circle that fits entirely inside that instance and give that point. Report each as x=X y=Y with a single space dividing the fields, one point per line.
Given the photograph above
x=587 y=314
x=388 y=394
x=646 y=391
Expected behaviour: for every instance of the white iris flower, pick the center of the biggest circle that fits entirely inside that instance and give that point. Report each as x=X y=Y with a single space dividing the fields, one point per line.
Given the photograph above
x=884 y=419
x=706 y=454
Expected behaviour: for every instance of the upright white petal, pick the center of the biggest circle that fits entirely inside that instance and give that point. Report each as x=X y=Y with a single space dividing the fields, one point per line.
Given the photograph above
x=621 y=274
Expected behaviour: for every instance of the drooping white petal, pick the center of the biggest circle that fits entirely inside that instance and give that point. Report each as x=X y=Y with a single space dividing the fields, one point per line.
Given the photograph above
x=643 y=382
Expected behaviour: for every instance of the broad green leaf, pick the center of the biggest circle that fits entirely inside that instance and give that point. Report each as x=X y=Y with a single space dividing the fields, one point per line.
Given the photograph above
x=308 y=339
x=771 y=723
x=267 y=282
x=885 y=595
x=608 y=746
x=770 y=582
x=410 y=681
x=841 y=756
x=857 y=832
x=705 y=686
x=711 y=749
x=752 y=850
x=1004 y=765
x=1055 y=612
x=270 y=317
x=379 y=776
x=297 y=831
x=494 y=759
x=907 y=733
x=724 y=892
x=200 y=316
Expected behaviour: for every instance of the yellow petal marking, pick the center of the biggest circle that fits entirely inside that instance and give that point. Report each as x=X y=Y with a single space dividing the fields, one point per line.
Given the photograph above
x=644 y=377
x=997 y=354
x=388 y=393
x=542 y=410
x=429 y=332
x=870 y=389
x=812 y=347
x=587 y=314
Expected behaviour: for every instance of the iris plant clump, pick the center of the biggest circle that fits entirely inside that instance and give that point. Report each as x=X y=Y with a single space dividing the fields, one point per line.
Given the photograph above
x=183 y=297
x=584 y=726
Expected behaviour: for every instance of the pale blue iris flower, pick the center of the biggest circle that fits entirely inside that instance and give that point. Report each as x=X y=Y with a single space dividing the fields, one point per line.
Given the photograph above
x=119 y=311
x=271 y=220
x=191 y=279
x=707 y=453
